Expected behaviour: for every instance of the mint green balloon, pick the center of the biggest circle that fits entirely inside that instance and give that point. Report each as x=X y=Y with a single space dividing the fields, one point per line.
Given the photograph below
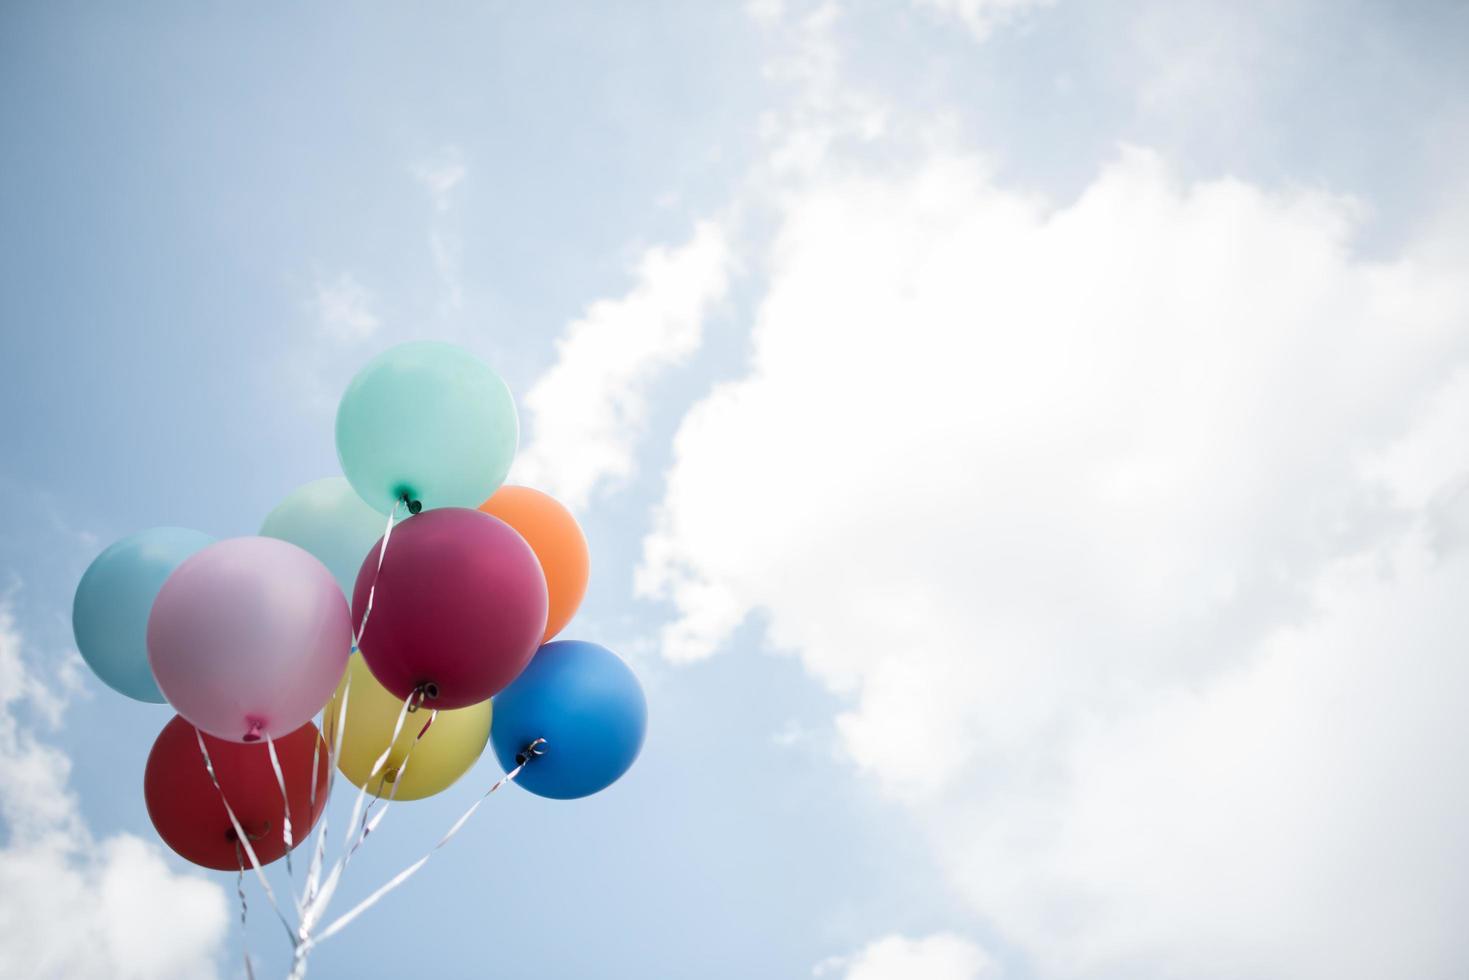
x=429 y=421
x=328 y=519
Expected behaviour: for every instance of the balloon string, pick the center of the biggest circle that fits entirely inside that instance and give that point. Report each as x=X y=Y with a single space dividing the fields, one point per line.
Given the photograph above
x=280 y=780
x=534 y=749
x=244 y=913
x=397 y=777
x=313 y=876
x=308 y=907
x=320 y=901
x=312 y=899
x=372 y=589
x=315 y=771
x=241 y=838
x=377 y=767
x=402 y=768
x=317 y=893
x=407 y=702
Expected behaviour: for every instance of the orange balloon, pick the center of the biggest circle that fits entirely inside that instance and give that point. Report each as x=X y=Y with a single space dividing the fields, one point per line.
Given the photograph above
x=556 y=538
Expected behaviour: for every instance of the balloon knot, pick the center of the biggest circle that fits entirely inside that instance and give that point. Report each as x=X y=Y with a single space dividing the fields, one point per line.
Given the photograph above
x=414 y=506
x=234 y=838
x=531 y=751
x=252 y=734
x=426 y=691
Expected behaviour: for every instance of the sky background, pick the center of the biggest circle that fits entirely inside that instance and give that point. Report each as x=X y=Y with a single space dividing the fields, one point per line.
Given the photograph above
x=1021 y=443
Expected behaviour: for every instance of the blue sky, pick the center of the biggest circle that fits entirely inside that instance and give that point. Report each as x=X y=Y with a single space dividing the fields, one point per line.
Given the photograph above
x=1021 y=446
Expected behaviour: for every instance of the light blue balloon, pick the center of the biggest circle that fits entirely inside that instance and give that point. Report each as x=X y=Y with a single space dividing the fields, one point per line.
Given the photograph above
x=428 y=420
x=328 y=519
x=588 y=706
x=109 y=615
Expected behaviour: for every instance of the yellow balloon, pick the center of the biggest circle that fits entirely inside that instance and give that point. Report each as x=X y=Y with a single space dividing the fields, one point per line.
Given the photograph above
x=446 y=751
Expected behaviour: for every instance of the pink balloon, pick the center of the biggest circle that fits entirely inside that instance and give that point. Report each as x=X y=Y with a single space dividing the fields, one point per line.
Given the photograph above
x=459 y=610
x=249 y=637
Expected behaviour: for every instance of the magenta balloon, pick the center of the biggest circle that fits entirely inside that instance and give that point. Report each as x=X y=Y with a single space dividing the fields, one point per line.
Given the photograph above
x=249 y=637
x=459 y=609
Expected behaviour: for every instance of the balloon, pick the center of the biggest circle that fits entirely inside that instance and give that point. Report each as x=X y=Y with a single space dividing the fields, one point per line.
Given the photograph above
x=249 y=636
x=459 y=608
x=554 y=536
x=186 y=810
x=328 y=519
x=588 y=706
x=109 y=615
x=430 y=421
x=445 y=752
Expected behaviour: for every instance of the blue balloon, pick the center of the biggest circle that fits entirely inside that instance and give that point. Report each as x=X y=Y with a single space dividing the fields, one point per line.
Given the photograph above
x=109 y=615
x=588 y=706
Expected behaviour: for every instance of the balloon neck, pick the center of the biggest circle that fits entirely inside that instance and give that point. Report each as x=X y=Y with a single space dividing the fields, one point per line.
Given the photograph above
x=391 y=776
x=252 y=835
x=253 y=733
x=413 y=504
x=531 y=751
x=427 y=691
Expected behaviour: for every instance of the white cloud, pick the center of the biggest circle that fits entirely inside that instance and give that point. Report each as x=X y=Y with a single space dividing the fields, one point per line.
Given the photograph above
x=1100 y=518
x=1208 y=69
x=942 y=956
x=441 y=175
x=448 y=256
x=345 y=309
x=819 y=108
x=1298 y=816
x=588 y=410
x=765 y=12
x=981 y=16
x=73 y=906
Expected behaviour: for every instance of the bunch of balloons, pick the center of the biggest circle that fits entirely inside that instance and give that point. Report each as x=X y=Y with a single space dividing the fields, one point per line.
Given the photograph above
x=417 y=583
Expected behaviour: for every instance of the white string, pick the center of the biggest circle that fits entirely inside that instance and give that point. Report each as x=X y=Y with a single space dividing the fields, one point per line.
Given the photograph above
x=280 y=780
x=315 y=895
x=315 y=771
x=244 y=913
x=243 y=839
x=318 y=905
x=368 y=826
x=312 y=900
x=313 y=876
x=372 y=589
x=346 y=918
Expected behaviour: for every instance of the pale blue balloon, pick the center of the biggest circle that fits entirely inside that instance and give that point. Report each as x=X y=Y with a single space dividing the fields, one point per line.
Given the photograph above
x=430 y=421
x=109 y=615
x=328 y=519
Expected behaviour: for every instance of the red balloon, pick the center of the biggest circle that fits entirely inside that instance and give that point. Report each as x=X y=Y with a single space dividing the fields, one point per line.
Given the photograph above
x=459 y=609
x=186 y=809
